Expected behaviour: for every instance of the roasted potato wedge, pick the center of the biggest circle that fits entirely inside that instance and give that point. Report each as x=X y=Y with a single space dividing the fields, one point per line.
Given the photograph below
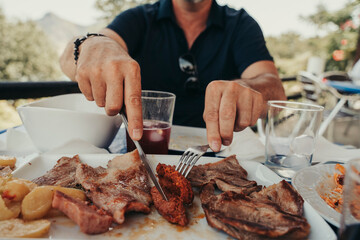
x=28 y=183
x=18 y=228
x=15 y=190
x=38 y=202
x=8 y=212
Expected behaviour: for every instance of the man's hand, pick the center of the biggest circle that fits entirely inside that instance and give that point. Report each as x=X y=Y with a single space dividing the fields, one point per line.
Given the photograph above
x=229 y=106
x=107 y=75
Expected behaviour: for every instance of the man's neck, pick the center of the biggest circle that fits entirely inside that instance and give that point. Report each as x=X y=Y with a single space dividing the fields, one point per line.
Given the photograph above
x=191 y=17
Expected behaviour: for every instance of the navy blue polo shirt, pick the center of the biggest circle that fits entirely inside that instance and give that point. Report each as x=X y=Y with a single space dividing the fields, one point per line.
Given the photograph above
x=231 y=42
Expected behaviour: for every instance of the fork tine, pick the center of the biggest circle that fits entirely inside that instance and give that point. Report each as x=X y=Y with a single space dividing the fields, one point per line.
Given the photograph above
x=189 y=159
x=181 y=160
x=192 y=164
x=185 y=161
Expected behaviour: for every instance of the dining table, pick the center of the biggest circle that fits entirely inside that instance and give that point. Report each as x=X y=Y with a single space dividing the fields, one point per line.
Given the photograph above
x=179 y=141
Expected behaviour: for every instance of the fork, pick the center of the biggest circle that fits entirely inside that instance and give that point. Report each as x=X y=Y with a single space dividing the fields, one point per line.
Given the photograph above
x=189 y=158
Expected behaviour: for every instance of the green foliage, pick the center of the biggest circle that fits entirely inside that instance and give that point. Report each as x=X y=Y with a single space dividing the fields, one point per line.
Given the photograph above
x=345 y=35
x=291 y=52
x=26 y=54
x=111 y=8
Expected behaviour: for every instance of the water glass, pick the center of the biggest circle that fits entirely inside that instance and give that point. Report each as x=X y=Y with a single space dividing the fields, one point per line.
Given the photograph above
x=291 y=131
x=350 y=218
x=157 y=110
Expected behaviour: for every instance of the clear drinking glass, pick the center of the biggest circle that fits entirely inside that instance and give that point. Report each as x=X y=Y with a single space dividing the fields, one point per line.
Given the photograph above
x=350 y=218
x=158 y=110
x=291 y=131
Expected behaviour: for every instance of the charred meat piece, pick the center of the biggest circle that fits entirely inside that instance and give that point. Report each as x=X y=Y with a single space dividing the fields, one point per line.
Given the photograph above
x=214 y=222
x=284 y=195
x=179 y=192
x=90 y=219
x=239 y=215
x=62 y=174
x=173 y=210
x=228 y=170
x=174 y=184
x=120 y=188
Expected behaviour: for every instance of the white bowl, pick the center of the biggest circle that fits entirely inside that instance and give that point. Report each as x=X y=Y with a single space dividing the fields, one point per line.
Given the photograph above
x=54 y=121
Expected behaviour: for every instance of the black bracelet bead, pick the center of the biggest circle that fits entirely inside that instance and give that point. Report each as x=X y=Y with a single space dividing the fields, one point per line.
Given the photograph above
x=79 y=41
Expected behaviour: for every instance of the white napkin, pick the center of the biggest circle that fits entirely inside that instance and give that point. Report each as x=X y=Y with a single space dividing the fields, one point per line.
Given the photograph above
x=246 y=145
x=328 y=151
x=17 y=140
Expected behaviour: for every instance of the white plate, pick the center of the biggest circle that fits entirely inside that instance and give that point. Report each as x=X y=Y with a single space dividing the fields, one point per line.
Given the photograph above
x=184 y=137
x=315 y=180
x=153 y=226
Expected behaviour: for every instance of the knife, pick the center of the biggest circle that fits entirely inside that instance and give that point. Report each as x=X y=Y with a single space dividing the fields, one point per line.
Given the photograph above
x=144 y=159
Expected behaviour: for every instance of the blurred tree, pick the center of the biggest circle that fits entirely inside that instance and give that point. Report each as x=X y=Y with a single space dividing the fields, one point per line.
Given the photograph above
x=111 y=8
x=343 y=39
x=291 y=52
x=26 y=54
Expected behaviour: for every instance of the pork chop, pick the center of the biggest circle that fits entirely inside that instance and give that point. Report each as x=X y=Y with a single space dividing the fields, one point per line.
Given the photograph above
x=121 y=187
x=246 y=218
x=284 y=195
x=62 y=174
x=90 y=219
x=227 y=170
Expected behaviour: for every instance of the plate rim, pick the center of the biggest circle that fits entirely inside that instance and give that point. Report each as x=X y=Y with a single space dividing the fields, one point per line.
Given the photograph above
x=333 y=220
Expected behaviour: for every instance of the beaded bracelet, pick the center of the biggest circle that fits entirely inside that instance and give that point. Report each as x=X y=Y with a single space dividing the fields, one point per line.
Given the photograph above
x=79 y=41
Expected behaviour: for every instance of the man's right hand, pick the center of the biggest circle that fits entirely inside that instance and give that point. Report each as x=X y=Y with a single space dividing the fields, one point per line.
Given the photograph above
x=107 y=75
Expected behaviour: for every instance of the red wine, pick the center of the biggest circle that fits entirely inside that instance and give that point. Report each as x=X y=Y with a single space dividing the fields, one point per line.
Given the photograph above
x=352 y=232
x=155 y=139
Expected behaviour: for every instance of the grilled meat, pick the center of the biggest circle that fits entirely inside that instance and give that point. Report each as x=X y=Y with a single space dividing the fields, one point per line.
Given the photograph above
x=246 y=190
x=243 y=213
x=174 y=184
x=62 y=174
x=227 y=170
x=284 y=195
x=179 y=192
x=120 y=188
x=90 y=219
x=173 y=210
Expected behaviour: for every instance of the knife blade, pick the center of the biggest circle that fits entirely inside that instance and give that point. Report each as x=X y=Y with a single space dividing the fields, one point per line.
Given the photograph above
x=145 y=160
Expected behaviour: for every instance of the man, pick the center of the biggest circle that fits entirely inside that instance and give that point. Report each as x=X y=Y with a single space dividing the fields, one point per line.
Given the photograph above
x=189 y=47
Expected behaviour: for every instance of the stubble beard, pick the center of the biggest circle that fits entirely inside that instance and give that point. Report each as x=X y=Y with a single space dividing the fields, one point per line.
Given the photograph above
x=194 y=1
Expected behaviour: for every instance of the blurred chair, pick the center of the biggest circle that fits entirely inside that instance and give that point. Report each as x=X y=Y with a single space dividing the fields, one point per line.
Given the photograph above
x=317 y=91
x=342 y=108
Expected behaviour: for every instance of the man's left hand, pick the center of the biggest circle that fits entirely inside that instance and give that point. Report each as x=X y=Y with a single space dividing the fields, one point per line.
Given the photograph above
x=230 y=106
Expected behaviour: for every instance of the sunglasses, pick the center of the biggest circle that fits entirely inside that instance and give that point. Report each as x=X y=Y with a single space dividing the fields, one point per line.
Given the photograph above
x=187 y=65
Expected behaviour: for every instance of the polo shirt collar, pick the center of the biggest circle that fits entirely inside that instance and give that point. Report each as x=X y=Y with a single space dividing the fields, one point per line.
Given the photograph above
x=165 y=10
x=216 y=16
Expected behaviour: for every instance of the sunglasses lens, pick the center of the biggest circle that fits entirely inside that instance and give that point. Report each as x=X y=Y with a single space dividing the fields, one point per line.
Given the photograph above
x=192 y=85
x=186 y=63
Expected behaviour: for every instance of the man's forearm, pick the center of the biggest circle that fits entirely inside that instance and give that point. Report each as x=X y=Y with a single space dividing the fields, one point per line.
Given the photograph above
x=268 y=84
